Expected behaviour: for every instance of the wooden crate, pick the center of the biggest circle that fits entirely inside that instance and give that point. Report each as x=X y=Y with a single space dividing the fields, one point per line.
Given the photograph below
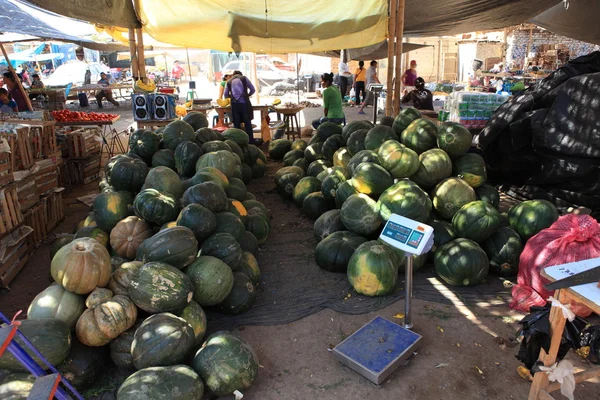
x=35 y=139
x=10 y=212
x=15 y=255
x=6 y=175
x=35 y=218
x=84 y=143
x=46 y=177
x=27 y=191
x=81 y=172
x=53 y=206
x=21 y=152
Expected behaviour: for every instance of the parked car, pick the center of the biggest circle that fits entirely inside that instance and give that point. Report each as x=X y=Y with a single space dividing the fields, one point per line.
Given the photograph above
x=266 y=73
x=74 y=72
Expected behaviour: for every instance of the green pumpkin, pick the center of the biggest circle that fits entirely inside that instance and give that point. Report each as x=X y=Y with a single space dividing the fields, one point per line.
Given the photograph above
x=55 y=302
x=196 y=119
x=328 y=129
x=341 y=158
x=299 y=144
x=83 y=365
x=318 y=166
x=334 y=252
x=164 y=158
x=232 y=224
x=471 y=169
x=157 y=287
x=292 y=156
x=156 y=207
x=377 y=136
x=450 y=195
x=241 y=297
x=258 y=225
x=59 y=242
x=199 y=219
x=251 y=204
x=249 y=267
x=222 y=160
x=109 y=209
x=120 y=348
x=239 y=136
x=286 y=184
x=186 y=157
x=407 y=199
x=314 y=152
x=175 y=246
x=530 y=217
x=362 y=157
x=354 y=126
x=301 y=163
x=304 y=187
x=343 y=191
x=194 y=315
x=249 y=243
x=226 y=363
x=371 y=179
x=204 y=135
x=356 y=141
x=420 y=135
x=223 y=246
x=400 y=161
x=144 y=143
x=51 y=337
x=327 y=224
x=489 y=194
x=503 y=249
x=165 y=180
x=442 y=234
x=404 y=119
x=207 y=174
x=94 y=233
x=360 y=214
x=216 y=145
x=158 y=383
x=278 y=148
x=162 y=340
x=476 y=221
x=454 y=139
x=332 y=181
x=212 y=280
x=373 y=269
x=176 y=132
x=208 y=194
x=128 y=173
x=434 y=166
x=331 y=145
x=461 y=262
x=315 y=204
x=237 y=189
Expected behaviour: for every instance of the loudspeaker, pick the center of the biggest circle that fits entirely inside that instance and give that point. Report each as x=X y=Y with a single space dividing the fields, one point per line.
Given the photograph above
x=141 y=107
x=163 y=106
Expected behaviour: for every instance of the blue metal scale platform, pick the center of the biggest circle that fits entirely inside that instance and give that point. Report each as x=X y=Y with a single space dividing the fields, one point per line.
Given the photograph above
x=377 y=349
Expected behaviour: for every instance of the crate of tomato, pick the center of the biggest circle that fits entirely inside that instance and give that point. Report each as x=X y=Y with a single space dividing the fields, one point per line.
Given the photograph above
x=76 y=117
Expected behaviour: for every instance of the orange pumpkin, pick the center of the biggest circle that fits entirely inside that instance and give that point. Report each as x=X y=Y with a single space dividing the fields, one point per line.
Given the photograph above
x=81 y=266
x=128 y=234
x=99 y=325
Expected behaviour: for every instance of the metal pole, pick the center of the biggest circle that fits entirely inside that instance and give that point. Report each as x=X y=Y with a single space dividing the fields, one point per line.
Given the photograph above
x=408 y=283
x=375 y=98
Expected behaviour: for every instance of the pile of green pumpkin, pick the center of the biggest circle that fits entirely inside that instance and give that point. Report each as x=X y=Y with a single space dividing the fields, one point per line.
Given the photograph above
x=173 y=230
x=351 y=179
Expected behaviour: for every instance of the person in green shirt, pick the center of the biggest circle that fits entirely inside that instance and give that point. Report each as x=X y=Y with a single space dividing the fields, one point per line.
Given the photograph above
x=332 y=103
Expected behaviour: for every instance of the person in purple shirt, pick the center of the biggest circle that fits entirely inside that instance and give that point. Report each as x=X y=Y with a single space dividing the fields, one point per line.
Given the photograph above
x=239 y=89
x=15 y=91
x=410 y=76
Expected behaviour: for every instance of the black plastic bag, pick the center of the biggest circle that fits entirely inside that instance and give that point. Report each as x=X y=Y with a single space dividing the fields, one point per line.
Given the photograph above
x=591 y=337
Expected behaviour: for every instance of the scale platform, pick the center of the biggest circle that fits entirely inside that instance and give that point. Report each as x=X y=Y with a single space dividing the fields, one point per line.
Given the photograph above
x=377 y=349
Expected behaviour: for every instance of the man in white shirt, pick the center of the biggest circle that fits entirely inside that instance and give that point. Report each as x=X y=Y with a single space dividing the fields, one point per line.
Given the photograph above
x=344 y=73
x=371 y=79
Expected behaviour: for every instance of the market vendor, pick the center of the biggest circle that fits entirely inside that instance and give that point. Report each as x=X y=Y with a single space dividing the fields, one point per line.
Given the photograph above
x=105 y=81
x=7 y=104
x=332 y=103
x=15 y=91
x=239 y=89
x=37 y=82
x=226 y=77
x=421 y=98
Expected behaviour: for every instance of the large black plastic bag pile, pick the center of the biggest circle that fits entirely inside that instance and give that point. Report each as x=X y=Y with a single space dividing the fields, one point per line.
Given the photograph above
x=545 y=142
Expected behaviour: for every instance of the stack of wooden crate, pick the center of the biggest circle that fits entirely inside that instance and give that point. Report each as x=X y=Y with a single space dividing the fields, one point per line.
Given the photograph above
x=83 y=149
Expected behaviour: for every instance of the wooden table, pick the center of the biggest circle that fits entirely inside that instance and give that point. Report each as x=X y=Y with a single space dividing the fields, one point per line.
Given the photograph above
x=153 y=123
x=108 y=133
x=588 y=295
x=265 y=131
x=290 y=118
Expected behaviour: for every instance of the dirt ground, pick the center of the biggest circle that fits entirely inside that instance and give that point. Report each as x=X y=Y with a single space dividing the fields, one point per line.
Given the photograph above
x=462 y=354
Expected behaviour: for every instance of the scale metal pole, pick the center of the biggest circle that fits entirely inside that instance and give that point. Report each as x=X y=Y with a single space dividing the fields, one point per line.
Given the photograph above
x=408 y=283
x=375 y=98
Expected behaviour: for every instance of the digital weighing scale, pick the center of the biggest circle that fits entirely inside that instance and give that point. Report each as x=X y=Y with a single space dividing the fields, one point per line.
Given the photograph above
x=381 y=346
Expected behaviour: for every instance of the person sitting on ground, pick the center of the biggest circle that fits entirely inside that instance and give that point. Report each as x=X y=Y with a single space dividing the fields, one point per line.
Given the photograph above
x=37 y=82
x=332 y=102
x=371 y=79
x=105 y=81
x=7 y=104
x=15 y=92
x=421 y=98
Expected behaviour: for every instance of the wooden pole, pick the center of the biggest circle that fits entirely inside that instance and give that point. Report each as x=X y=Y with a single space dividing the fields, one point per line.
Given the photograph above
x=399 y=38
x=389 y=100
x=133 y=53
x=440 y=75
x=140 y=53
x=12 y=70
x=255 y=78
x=187 y=55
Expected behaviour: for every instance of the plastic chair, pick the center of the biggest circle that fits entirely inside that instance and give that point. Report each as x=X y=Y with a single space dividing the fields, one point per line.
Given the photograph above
x=191 y=95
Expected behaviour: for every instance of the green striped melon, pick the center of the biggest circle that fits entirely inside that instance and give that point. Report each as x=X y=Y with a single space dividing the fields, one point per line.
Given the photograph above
x=530 y=217
x=471 y=169
x=476 y=221
x=503 y=249
x=489 y=194
x=241 y=297
x=443 y=232
x=434 y=165
x=404 y=119
x=158 y=383
x=332 y=182
x=461 y=262
x=328 y=129
x=314 y=152
x=454 y=139
x=450 y=195
x=420 y=135
x=258 y=224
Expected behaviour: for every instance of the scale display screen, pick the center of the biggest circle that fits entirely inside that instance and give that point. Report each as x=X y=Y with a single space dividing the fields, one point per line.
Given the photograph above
x=408 y=235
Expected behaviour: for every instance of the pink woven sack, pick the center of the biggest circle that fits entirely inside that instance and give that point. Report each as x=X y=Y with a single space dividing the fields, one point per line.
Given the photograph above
x=571 y=238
